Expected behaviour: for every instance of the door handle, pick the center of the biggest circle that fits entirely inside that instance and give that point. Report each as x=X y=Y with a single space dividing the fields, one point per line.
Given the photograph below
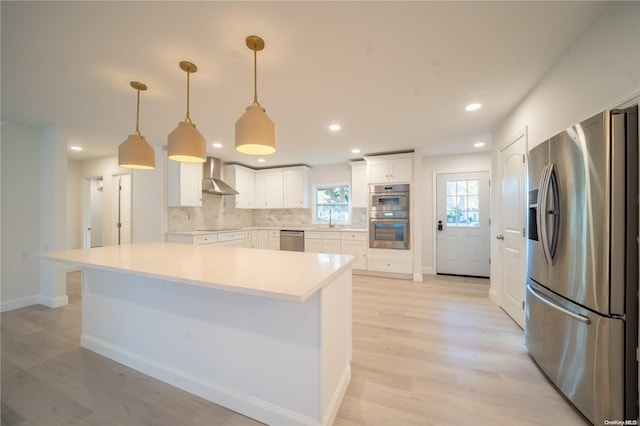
x=440 y=226
x=500 y=237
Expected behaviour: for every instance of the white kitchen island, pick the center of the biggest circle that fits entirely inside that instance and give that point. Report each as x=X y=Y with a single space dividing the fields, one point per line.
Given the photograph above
x=265 y=333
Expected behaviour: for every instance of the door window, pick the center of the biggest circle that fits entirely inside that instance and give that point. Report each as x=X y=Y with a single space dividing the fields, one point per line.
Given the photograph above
x=462 y=203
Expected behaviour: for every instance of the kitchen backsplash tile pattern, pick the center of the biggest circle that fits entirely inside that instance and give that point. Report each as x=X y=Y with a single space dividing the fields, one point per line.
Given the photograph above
x=213 y=215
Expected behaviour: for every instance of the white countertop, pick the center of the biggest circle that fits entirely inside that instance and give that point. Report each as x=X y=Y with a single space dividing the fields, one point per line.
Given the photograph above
x=295 y=228
x=286 y=275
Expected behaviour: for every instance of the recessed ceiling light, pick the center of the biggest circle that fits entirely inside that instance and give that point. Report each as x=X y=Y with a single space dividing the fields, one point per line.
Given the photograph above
x=334 y=127
x=217 y=145
x=261 y=160
x=355 y=151
x=75 y=148
x=473 y=107
x=478 y=144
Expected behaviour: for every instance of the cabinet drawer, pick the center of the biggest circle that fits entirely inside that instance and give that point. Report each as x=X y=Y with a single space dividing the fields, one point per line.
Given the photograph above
x=330 y=235
x=275 y=233
x=205 y=239
x=312 y=235
x=229 y=236
x=354 y=236
x=389 y=265
x=247 y=234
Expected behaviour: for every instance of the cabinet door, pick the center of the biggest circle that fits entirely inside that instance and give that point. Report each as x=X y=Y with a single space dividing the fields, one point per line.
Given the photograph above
x=313 y=245
x=400 y=170
x=377 y=171
x=274 y=193
x=359 y=189
x=184 y=184
x=261 y=191
x=246 y=186
x=274 y=243
x=358 y=249
x=295 y=189
x=331 y=246
x=263 y=239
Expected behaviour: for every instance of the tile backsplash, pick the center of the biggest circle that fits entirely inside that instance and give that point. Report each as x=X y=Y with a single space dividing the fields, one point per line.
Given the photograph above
x=213 y=215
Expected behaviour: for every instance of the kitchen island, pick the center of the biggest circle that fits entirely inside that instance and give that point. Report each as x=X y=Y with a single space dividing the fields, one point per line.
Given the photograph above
x=264 y=333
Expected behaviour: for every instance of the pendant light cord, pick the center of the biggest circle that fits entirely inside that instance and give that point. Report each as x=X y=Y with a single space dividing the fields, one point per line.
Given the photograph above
x=138 y=114
x=188 y=118
x=255 y=78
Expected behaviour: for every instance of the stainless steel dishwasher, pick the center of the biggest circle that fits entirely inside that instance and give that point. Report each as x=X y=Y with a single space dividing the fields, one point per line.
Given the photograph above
x=291 y=240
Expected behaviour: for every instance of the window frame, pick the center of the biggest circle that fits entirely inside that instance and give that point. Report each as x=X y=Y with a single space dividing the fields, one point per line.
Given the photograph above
x=314 y=212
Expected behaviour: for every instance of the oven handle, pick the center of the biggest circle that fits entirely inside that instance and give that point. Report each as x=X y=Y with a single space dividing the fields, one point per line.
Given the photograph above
x=389 y=220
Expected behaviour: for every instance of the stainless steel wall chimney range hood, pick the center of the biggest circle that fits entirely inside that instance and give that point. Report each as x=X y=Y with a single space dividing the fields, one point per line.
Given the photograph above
x=211 y=182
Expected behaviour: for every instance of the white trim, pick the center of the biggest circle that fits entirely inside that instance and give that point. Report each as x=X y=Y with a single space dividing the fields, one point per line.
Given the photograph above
x=314 y=187
x=237 y=401
x=331 y=412
x=429 y=270
x=53 y=302
x=20 y=302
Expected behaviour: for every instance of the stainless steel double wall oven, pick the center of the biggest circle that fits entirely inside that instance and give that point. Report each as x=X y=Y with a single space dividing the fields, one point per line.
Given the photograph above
x=389 y=216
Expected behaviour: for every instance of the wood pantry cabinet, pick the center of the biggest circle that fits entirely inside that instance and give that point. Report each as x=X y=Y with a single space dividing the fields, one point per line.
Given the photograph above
x=396 y=168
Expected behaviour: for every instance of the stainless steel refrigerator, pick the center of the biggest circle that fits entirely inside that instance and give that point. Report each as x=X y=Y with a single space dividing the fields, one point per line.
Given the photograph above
x=582 y=264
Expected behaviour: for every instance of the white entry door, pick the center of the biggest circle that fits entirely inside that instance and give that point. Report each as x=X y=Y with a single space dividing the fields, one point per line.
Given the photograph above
x=462 y=224
x=512 y=237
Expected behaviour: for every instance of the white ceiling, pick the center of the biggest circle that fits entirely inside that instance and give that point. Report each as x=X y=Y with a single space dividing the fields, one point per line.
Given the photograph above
x=395 y=75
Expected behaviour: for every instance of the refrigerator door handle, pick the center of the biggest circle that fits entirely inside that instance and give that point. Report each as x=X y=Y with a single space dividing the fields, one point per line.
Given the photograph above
x=542 y=211
x=557 y=307
x=552 y=185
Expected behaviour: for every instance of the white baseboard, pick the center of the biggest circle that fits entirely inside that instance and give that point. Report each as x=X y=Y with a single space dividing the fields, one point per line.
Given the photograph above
x=428 y=270
x=53 y=302
x=20 y=302
x=494 y=297
x=234 y=400
x=417 y=278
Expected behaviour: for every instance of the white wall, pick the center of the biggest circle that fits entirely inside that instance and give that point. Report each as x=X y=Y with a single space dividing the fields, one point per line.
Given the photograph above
x=598 y=72
x=74 y=211
x=96 y=209
x=33 y=215
x=430 y=167
x=148 y=202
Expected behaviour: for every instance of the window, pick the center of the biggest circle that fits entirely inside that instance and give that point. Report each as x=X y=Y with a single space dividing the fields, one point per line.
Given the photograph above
x=462 y=203
x=331 y=201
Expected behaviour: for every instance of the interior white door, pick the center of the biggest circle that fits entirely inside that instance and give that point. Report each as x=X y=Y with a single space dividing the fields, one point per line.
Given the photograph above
x=122 y=209
x=462 y=223
x=513 y=242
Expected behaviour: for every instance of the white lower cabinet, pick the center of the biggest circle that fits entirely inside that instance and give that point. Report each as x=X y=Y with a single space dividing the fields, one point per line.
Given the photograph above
x=249 y=239
x=263 y=239
x=391 y=261
x=192 y=239
x=322 y=242
x=231 y=239
x=274 y=240
x=355 y=244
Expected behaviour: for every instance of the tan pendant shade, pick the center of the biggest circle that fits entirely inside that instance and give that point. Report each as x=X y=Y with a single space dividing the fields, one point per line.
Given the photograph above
x=255 y=132
x=186 y=143
x=136 y=152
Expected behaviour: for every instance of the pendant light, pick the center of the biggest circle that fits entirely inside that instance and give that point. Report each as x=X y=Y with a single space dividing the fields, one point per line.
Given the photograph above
x=186 y=143
x=255 y=132
x=136 y=152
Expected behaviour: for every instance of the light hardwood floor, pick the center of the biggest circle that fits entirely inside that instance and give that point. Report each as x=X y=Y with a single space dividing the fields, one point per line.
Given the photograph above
x=431 y=353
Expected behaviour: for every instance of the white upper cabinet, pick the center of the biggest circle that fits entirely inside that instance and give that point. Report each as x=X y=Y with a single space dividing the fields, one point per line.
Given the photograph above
x=269 y=189
x=296 y=187
x=359 y=189
x=390 y=169
x=243 y=180
x=184 y=184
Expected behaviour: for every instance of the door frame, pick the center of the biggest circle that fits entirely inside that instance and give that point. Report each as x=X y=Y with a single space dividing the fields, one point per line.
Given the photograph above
x=495 y=290
x=434 y=200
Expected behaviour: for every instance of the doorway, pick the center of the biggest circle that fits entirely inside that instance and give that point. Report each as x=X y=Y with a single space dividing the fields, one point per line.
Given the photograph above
x=93 y=235
x=462 y=223
x=121 y=214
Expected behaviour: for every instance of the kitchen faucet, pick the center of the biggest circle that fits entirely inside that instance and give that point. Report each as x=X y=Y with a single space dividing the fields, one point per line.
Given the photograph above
x=331 y=224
